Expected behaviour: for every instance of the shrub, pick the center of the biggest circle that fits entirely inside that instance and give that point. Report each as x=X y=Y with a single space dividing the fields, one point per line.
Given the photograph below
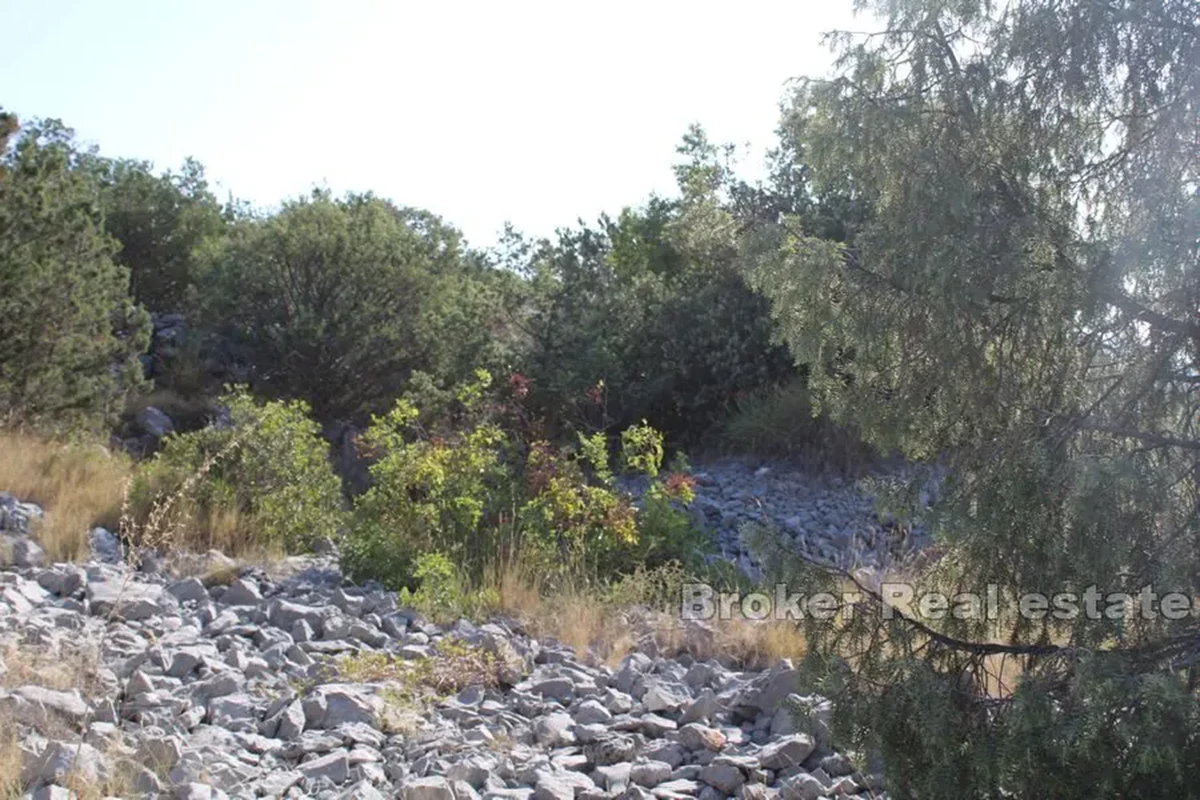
x=479 y=496
x=261 y=479
x=428 y=494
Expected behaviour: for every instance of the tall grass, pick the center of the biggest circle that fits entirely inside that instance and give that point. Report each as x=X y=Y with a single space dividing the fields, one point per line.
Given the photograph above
x=78 y=485
x=605 y=622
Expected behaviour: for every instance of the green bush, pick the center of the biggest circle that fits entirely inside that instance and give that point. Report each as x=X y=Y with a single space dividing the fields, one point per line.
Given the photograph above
x=264 y=479
x=479 y=496
x=428 y=494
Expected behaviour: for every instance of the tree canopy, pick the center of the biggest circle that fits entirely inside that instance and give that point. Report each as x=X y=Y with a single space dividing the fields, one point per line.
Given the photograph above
x=1015 y=294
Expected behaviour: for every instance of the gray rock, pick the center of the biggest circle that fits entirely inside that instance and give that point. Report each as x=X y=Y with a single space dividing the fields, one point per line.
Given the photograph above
x=40 y=705
x=694 y=736
x=285 y=615
x=702 y=709
x=61 y=759
x=650 y=773
x=590 y=712
x=188 y=590
x=801 y=787
x=26 y=553
x=334 y=767
x=554 y=730
x=665 y=696
x=155 y=422
x=613 y=777
x=235 y=712
x=336 y=704
x=789 y=752
x=199 y=791
x=105 y=546
x=435 y=788
x=128 y=600
x=242 y=592
x=160 y=753
x=725 y=777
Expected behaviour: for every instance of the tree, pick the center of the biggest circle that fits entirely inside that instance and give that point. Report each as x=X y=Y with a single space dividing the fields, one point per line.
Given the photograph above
x=161 y=222
x=331 y=300
x=666 y=324
x=1015 y=294
x=69 y=335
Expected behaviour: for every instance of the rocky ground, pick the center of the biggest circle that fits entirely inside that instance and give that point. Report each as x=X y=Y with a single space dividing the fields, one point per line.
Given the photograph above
x=294 y=684
x=827 y=516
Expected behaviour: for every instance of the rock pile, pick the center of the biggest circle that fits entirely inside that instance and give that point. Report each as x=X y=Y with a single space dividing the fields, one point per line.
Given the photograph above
x=196 y=691
x=828 y=517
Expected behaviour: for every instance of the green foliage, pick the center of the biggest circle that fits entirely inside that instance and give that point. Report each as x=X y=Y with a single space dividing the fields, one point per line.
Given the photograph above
x=642 y=449
x=1011 y=290
x=445 y=593
x=339 y=302
x=427 y=494
x=478 y=496
x=628 y=321
x=69 y=336
x=263 y=478
x=161 y=222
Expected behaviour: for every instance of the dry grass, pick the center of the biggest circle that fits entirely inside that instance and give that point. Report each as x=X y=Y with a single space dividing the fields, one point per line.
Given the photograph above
x=10 y=760
x=61 y=671
x=640 y=614
x=79 y=486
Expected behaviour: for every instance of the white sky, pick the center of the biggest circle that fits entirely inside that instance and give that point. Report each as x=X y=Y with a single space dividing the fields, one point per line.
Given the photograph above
x=533 y=112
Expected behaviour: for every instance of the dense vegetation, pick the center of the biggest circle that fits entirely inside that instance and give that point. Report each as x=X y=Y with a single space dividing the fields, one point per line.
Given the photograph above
x=979 y=246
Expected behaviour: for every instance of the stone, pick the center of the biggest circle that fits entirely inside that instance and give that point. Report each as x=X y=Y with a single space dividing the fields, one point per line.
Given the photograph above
x=235 y=712
x=789 y=752
x=801 y=787
x=155 y=422
x=160 y=753
x=334 y=767
x=613 y=777
x=333 y=705
x=188 y=590
x=285 y=615
x=127 y=600
x=554 y=730
x=665 y=696
x=434 y=788
x=650 y=773
x=610 y=748
x=725 y=777
x=43 y=705
x=242 y=592
x=590 y=712
x=561 y=689
x=26 y=553
x=703 y=708
x=694 y=736
x=104 y=545
x=61 y=759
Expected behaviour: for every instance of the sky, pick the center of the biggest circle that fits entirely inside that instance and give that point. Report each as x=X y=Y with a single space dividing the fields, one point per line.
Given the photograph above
x=534 y=113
